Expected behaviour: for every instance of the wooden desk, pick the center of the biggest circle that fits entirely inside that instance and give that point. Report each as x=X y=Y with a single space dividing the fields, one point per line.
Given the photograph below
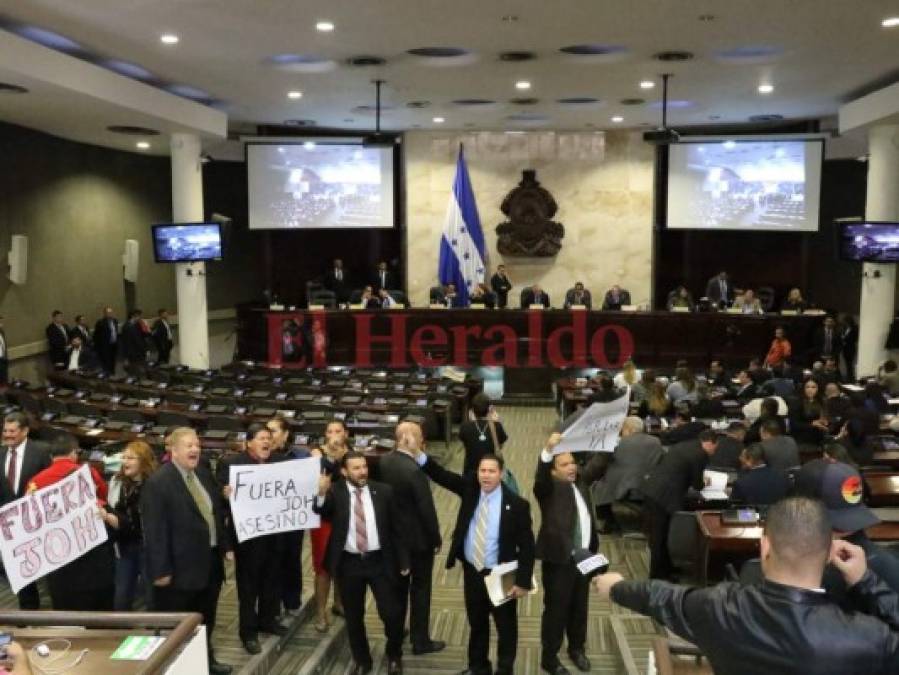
x=741 y=543
x=884 y=489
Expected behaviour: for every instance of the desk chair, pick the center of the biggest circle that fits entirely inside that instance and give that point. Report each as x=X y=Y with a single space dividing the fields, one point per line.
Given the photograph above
x=132 y=416
x=55 y=405
x=683 y=543
x=172 y=419
x=225 y=423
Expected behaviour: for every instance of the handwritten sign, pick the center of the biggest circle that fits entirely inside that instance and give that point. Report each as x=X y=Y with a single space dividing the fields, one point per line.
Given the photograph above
x=272 y=498
x=596 y=429
x=49 y=528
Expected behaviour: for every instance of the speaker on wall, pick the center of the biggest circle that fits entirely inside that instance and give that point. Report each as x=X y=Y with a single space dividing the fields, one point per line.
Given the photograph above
x=18 y=259
x=130 y=259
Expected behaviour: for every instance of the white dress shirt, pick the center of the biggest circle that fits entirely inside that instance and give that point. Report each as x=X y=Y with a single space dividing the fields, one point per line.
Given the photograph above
x=20 y=457
x=74 y=356
x=2 y=346
x=371 y=527
x=583 y=515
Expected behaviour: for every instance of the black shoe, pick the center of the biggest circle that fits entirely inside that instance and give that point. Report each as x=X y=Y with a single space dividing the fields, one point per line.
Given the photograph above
x=428 y=647
x=394 y=667
x=580 y=659
x=555 y=669
x=216 y=668
x=360 y=669
x=251 y=645
x=274 y=629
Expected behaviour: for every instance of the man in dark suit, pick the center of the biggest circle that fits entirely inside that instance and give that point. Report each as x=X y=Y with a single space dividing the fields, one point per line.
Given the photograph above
x=665 y=490
x=78 y=356
x=827 y=340
x=384 y=278
x=106 y=339
x=746 y=389
x=759 y=484
x=21 y=459
x=58 y=339
x=566 y=528
x=781 y=451
x=4 y=355
x=134 y=343
x=535 y=296
x=501 y=285
x=720 y=290
x=81 y=330
x=578 y=296
x=336 y=280
x=162 y=336
x=636 y=453
x=367 y=548
x=418 y=520
x=730 y=448
x=493 y=527
x=184 y=529
x=615 y=297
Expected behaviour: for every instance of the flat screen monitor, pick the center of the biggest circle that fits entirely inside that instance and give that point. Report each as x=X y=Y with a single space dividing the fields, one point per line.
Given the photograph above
x=187 y=242
x=319 y=185
x=869 y=242
x=771 y=184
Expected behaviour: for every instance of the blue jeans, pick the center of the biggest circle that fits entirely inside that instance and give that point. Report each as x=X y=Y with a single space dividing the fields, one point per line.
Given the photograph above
x=129 y=569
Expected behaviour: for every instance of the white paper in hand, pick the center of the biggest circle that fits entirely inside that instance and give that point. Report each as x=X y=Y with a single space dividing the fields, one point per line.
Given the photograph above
x=596 y=429
x=716 y=482
x=594 y=562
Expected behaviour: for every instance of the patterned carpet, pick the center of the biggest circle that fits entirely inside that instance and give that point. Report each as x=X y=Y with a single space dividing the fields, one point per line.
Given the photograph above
x=528 y=428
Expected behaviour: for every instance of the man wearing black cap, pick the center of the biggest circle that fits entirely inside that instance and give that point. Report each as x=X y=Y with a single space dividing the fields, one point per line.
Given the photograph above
x=839 y=486
x=785 y=624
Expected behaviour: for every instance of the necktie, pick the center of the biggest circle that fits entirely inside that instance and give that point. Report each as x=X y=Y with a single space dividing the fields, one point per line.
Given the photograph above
x=480 y=538
x=359 y=523
x=827 y=342
x=11 y=470
x=112 y=331
x=2 y=347
x=723 y=290
x=339 y=275
x=576 y=534
x=383 y=279
x=205 y=509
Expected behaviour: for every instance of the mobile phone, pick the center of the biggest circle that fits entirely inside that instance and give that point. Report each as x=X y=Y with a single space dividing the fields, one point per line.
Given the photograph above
x=5 y=639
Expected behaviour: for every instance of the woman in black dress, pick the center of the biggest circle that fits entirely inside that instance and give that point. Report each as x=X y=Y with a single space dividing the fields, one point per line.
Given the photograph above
x=481 y=435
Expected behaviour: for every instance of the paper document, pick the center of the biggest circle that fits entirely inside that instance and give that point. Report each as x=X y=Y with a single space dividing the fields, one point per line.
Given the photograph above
x=594 y=562
x=500 y=581
x=716 y=482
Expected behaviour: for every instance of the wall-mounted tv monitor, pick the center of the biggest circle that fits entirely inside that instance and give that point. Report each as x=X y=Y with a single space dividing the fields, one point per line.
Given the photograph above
x=319 y=185
x=735 y=184
x=187 y=242
x=869 y=242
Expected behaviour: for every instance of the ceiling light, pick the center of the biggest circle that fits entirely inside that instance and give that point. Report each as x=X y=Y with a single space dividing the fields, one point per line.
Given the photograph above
x=522 y=84
x=309 y=145
x=142 y=145
x=647 y=84
x=169 y=39
x=324 y=26
x=618 y=119
x=439 y=120
x=294 y=94
x=891 y=22
x=766 y=88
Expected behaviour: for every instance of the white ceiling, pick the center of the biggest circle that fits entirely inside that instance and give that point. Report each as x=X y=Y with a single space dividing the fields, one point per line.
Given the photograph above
x=822 y=52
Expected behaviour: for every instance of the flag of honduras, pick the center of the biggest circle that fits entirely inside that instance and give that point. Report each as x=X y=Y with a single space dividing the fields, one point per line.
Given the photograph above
x=463 y=256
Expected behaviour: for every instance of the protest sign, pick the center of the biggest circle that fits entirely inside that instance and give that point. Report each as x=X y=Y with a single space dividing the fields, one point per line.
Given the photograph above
x=50 y=528
x=272 y=498
x=595 y=429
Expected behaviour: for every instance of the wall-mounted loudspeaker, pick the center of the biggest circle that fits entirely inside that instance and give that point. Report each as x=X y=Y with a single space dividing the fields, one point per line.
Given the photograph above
x=18 y=259
x=130 y=259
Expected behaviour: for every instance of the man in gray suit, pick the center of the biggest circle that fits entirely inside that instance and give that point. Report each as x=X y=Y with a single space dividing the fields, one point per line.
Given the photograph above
x=781 y=452
x=636 y=454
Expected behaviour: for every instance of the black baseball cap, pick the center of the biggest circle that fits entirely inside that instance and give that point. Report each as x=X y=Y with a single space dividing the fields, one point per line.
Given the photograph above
x=840 y=487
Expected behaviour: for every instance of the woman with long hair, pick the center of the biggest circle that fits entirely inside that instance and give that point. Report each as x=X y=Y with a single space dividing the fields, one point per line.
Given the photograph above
x=123 y=518
x=656 y=403
x=332 y=452
x=684 y=386
x=628 y=377
x=808 y=421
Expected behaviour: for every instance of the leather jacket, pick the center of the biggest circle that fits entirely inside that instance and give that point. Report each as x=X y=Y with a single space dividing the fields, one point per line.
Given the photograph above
x=775 y=629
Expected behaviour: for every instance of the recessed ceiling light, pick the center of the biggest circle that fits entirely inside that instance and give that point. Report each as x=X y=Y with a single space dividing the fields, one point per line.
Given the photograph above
x=142 y=145
x=618 y=119
x=522 y=84
x=766 y=88
x=647 y=84
x=294 y=94
x=890 y=22
x=324 y=26
x=439 y=120
x=309 y=145
x=169 y=39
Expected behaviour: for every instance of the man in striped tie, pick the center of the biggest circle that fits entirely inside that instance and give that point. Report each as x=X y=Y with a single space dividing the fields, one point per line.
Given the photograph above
x=366 y=550
x=493 y=527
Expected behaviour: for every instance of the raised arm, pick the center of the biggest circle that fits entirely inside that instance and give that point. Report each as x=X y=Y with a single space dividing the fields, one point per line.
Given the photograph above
x=543 y=480
x=445 y=478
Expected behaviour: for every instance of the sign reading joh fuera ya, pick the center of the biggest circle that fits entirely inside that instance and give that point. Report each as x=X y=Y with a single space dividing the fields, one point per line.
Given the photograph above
x=50 y=528
x=272 y=498
x=400 y=339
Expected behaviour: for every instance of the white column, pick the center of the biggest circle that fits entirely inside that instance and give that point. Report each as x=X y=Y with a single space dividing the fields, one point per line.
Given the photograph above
x=187 y=207
x=879 y=281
